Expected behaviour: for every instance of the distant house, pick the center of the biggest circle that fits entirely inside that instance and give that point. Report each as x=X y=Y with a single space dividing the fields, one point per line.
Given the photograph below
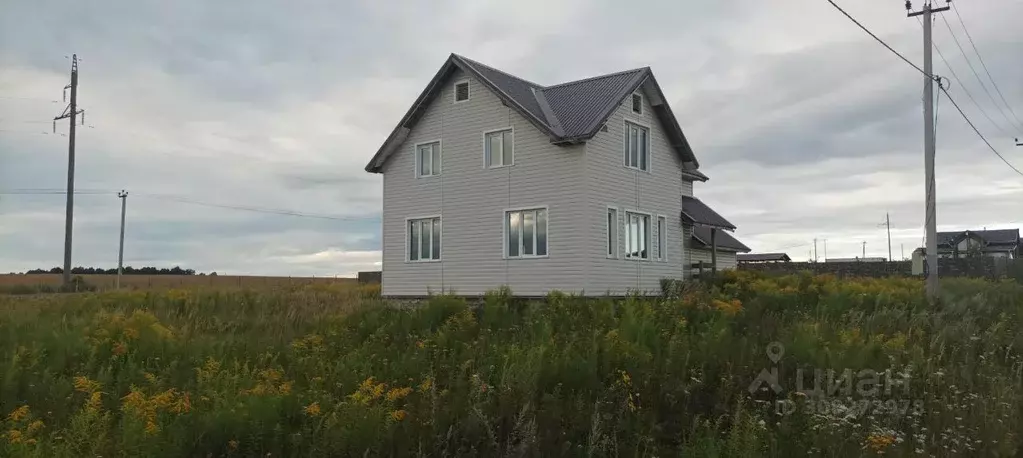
x=761 y=258
x=857 y=259
x=996 y=243
x=491 y=180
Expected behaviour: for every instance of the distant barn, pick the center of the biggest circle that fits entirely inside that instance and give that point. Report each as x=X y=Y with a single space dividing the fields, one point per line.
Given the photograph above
x=752 y=258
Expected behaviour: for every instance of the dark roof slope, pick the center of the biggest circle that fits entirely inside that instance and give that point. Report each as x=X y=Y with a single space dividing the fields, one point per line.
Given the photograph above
x=697 y=213
x=581 y=105
x=517 y=88
x=568 y=113
x=725 y=241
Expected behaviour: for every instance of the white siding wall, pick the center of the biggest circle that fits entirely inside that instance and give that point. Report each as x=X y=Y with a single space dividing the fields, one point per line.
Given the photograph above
x=610 y=183
x=472 y=199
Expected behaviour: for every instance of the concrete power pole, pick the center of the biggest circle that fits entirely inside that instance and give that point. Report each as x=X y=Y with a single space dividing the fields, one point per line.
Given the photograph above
x=71 y=111
x=120 y=251
x=864 y=249
x=888 y=222
x=931 y=221
x=814 y=250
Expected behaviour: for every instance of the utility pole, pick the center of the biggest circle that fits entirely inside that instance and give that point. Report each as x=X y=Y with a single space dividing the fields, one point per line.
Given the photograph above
x=864 y=249
x=888 y=222
x=814 y=250
x=71 y=111
x=120 y=251
x=825 y=250
x=931 y=221
x=902 y=246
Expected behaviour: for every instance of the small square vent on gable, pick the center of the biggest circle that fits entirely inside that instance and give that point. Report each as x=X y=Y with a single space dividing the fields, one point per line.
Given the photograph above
x=461 y=91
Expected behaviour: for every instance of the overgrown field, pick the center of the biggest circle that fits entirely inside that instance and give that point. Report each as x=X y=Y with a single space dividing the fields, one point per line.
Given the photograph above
x=789 y=366
x=50 y=283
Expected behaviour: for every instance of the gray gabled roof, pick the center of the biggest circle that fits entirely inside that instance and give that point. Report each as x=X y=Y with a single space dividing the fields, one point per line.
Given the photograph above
x=724 y=240
x=568 y=113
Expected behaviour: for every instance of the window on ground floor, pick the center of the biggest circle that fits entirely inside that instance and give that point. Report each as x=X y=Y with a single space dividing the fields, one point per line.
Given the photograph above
x=424 y=239
x=525 y=233
x=637 y=235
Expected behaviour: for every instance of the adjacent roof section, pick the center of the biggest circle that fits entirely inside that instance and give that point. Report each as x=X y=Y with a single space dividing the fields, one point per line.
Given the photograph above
x=993 y=236
x=583 y=105
x=763 y=257
x=568 y=113
x=697 y=213
x=724 y=240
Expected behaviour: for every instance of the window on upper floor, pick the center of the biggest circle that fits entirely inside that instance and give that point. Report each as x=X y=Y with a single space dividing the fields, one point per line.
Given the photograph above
x=637 y=104
x=423 y=239
x=637 y=146
x=525 y=233
x=499 y=146
x=428 y=159
x=461 y=91
x=637 y=235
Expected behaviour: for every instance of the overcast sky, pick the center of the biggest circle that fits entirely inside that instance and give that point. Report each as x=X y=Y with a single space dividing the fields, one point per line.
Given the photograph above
x=806 y=127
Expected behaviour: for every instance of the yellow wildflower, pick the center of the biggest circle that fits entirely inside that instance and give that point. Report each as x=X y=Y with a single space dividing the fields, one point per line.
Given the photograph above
x=95 y=402
x=183 y=404
x=398 y=393
x=398 y=415
x=152 y=427
x=119 y=348
x=19 y=413
x=14 y=436
x=232 y=444
x=131 y=333
x=34 y=427
x=149 y=377
x=83 y=384
x=312 y=409
x=877 y=443
x=426 y=385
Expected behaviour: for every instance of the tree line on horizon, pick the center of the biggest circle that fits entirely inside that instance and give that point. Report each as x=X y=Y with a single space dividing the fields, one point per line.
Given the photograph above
x=128 y=270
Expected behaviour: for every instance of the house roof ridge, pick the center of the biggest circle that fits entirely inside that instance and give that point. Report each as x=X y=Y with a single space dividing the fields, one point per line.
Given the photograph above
x=591 y=78
x=481 y=64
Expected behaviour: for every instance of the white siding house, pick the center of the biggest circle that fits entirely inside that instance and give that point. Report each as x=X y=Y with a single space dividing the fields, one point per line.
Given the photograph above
x=491 y=180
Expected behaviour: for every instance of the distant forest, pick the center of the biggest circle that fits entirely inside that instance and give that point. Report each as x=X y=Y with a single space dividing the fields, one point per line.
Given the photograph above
x=128 y=270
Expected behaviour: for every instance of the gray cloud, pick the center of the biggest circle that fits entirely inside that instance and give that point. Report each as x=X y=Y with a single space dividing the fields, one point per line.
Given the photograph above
x=806 y=126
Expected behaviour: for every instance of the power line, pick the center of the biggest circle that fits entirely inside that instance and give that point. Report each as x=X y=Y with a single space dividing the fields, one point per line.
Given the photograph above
x=975 y=73
x=187 y=200
x=993 y=150
x=879 y=40
x=981 y=59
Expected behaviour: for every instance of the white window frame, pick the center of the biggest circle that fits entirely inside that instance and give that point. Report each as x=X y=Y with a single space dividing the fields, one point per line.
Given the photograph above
x=486 y=151
x=632 y=101
x=504 y=231
x=662 y=238
x=408 y=248
x=649 y=232
x=440 y=153
x=616 y=239
x=626 y=143
x=454 y=91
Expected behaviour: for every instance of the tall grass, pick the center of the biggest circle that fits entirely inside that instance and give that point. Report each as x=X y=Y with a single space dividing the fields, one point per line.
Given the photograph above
x=337 y=372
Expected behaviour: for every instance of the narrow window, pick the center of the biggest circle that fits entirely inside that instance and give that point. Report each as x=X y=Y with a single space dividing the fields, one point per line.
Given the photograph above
x=612 y=233
x=500 y=148
x=637 y=236
x=662 y=238
x=637 y=147
x=526 y=233
x=461 y=91
x=637 y=104
x=428 y=159
x=424 y=239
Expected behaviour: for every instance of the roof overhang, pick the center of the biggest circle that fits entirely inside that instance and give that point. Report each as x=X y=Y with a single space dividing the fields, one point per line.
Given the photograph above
x=697 y=213
x=724 y=242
